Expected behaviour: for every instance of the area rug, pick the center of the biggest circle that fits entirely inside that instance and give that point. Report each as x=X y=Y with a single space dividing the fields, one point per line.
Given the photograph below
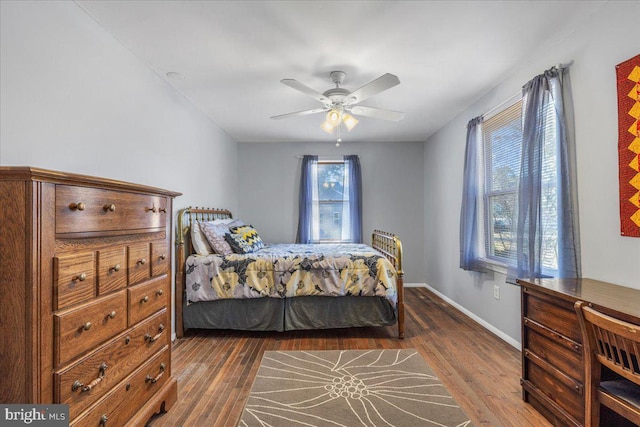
x=349 y=388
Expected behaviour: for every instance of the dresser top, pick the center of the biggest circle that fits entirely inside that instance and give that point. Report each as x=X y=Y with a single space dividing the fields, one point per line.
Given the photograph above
x=27 y=173
x=617 y=298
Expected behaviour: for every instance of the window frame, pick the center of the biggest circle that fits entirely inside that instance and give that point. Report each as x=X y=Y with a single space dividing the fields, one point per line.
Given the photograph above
x=485 y=219
x=487 y=227
x=321 y=202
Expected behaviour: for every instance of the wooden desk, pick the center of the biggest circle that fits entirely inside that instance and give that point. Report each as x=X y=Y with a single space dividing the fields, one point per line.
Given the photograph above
x=552 y=362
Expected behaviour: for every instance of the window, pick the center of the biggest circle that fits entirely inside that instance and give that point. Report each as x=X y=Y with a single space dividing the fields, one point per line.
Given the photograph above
x=502 y=153
x=518 y=194
x=333 y=219
x=330 y=201
x=502 y=145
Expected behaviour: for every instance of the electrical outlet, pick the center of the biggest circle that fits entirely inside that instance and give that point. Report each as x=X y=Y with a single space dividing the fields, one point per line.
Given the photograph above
x=496 y=291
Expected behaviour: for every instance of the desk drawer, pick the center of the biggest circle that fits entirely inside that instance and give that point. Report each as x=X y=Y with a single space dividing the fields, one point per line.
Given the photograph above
x=558 y=315
x=120 y=356
x=564 y=355
x=91 y=210
x=83 y=328
x=557 y=390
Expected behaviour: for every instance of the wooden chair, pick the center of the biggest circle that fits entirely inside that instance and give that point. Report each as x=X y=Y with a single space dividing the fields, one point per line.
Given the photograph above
x=614 y=344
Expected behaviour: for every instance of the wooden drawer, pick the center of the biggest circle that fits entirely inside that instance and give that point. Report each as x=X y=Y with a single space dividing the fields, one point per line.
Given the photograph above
x=557 y=390
x=159 y=258
x=83 y=328
x=139 y=262
x=112 y=269
x=91 y=210
x=120 y=356
x=558 y=315
x=74 y=279
x=122 y=402
x=556 y=350
x=147 y=298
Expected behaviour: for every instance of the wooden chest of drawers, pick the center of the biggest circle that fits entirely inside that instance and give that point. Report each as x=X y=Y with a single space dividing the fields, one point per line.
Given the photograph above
x=552 y=359
x=85 y=287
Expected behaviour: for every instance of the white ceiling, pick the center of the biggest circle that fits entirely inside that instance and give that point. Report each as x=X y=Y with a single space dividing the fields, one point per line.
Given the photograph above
x=233 y=55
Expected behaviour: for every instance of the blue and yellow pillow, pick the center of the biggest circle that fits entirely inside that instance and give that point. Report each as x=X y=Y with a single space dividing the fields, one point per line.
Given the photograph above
x=244 y=239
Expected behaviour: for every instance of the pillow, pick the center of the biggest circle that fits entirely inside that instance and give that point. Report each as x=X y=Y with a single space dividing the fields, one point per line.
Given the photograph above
x=215 y=236
x=199 y=240
x=244 y=239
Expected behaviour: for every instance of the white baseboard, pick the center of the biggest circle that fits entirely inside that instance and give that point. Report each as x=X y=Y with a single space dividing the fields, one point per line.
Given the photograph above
x=414 y=285
x=477 y=319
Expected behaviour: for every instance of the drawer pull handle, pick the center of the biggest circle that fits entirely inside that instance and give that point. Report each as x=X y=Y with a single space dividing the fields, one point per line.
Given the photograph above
x=80 y=277
x=150 y=379
x=162 y=210
x=149 y=338
x=77 y=206
x=112 y=315
x=162 y=257
x=159 y=292
x=151 y=209
x=142 y=261
x=115 y=268
x=145 y=299
x=103 y=420
x=78 y=385
x=86 y=326
x=109 y=208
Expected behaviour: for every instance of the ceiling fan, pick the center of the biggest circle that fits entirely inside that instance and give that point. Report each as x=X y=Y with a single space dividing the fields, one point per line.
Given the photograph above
x=340 y=103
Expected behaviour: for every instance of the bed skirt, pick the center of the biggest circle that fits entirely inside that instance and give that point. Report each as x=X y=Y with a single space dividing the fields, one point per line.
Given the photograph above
x=286 y=314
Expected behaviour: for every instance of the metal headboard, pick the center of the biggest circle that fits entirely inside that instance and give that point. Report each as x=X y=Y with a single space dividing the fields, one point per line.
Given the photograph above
x=188 y=215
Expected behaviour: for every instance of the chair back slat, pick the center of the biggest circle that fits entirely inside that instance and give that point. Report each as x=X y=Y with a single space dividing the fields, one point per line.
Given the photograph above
x=617 y=343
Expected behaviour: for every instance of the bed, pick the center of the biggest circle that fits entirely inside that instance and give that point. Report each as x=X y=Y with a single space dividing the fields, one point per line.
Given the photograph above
x=356 y=286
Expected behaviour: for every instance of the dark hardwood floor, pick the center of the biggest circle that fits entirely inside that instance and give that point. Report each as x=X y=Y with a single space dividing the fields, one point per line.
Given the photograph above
x=215 y=369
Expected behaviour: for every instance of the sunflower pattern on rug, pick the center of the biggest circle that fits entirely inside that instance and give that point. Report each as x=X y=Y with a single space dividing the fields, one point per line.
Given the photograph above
x=349 y=388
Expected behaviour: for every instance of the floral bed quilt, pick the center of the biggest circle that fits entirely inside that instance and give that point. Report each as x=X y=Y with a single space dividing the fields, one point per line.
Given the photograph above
x=288 y=270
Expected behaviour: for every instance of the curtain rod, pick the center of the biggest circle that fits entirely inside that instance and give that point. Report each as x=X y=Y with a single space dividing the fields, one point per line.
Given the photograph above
x=323 y=157
x=513 y=97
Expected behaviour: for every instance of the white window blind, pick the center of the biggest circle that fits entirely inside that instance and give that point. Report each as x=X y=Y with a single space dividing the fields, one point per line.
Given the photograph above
x=502 y=141
x=502 y=151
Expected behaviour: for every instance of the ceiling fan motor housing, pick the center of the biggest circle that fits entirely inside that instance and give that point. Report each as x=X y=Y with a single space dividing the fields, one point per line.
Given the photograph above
x=337 y=77
x=337 y=95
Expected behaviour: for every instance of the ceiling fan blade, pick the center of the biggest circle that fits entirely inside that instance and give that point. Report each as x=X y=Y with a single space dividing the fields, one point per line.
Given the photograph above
x=300 y=113
x=377 y=113
x=383 y=82
x=305 y=89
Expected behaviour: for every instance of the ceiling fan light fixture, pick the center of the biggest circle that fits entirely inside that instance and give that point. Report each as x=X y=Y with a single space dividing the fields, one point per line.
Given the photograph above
x=327 y=127
x=333 y=117
x=349 y=121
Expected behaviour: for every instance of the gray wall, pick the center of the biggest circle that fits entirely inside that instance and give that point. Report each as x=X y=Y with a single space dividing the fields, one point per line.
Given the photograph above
x=74 y=99
x=393 y=194
x=607 y=38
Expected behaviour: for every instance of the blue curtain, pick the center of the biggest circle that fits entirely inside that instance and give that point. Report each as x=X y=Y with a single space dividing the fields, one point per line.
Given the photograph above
x=355 y=197
x=542 y=93
x=305 y=203
x=469 y=243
